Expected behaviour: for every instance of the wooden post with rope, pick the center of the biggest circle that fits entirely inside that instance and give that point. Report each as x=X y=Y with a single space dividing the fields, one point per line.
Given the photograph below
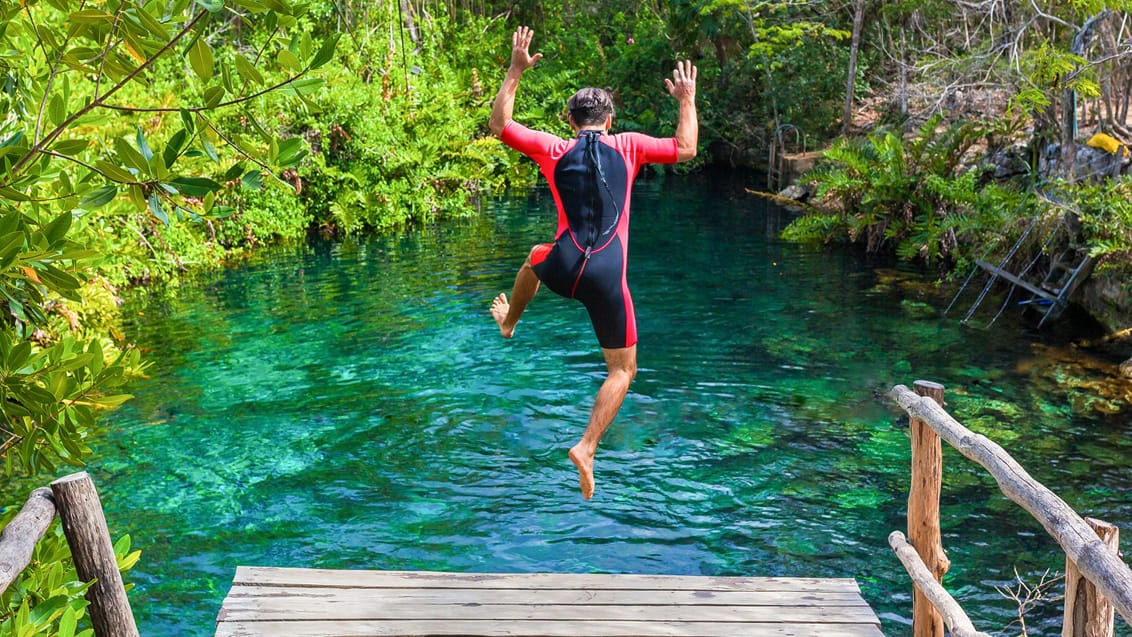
x=923 y=511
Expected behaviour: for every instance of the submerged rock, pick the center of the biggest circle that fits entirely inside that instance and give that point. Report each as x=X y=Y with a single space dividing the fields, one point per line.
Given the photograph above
x=1088 y=383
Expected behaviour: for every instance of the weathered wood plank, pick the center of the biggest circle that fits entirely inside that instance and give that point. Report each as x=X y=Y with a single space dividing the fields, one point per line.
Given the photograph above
x=376 y=608
x=302 y=603
x=18 y=539
x=271 y=576
x=546 y=629
x=589 y=596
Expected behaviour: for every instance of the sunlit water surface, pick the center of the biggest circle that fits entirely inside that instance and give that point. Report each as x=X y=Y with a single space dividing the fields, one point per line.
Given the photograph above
x=351 y=405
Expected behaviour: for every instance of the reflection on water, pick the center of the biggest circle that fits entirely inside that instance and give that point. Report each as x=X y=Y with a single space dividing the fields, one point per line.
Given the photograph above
x=350 y=405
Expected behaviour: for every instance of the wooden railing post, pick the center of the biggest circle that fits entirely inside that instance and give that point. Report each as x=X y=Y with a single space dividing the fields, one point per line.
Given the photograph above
x=84 y=524
x=1087 y=612
x=923 y=512
x=18 y=539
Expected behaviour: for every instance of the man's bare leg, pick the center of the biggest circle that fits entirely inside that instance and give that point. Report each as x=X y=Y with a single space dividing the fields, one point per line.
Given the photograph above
x=622 y=365
x=506 y=314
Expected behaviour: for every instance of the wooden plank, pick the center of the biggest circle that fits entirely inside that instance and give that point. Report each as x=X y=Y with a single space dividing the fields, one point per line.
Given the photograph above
x=272 y=576
x=547 y=629
x=303 y=603
x=997 y=271
x=300 y=608
x=589 y=596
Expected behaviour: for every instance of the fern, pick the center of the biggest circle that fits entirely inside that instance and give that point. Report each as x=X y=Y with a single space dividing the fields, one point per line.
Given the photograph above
x=903 y=196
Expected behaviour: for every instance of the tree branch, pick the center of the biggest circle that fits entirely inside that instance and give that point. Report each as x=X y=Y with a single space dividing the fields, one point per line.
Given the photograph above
x=203 y=109
x=35 y=150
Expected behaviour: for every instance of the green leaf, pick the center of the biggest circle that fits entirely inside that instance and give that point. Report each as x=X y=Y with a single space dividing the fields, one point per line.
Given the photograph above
x=289 y=61
x=156 y=208
x=98 y=197
x=57 y=109
x=212 y=6
x=143 y=146
x=58 y=279
x=174 y=147
x=226 y=77
x=15 y=139
x=291 y=152
x=91 y=16
x=195 y=186
x=130 y=156
x=114 y=172
x=278 y=5
x=304 y=86
x=213 y=95
x=151 y=24
x=188 y=121
x=248 y=71
x=12 y=194
x=57 y=229
x=71 y=147
x=200 y=58
x=10 y=246
x=253 y=180
x=68 y=623
x=114 y=400
x=254 y=6
x=326 y=51
x=234 y=171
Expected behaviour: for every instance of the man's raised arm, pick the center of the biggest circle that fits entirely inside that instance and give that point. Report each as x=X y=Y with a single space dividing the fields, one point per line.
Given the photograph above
x=521 y=60
x=682 y=86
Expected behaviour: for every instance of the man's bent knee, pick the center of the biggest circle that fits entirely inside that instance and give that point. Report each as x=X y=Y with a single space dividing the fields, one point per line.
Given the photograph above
x=622 y=360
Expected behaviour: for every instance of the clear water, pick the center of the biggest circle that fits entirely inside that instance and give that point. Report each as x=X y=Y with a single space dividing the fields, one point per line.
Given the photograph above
x=351 y=405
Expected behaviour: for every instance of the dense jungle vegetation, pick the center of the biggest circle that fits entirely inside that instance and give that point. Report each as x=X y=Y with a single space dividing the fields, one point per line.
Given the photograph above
x=144 y=138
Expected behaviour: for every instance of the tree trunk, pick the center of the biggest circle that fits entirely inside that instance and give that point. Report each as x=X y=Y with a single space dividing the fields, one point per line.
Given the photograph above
x=854 y=47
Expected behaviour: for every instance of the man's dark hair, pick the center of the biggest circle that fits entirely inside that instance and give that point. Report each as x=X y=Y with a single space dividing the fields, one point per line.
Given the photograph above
x=590 y=106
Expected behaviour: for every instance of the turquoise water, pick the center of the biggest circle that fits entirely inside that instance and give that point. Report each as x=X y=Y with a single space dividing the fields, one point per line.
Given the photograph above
x=351 y=405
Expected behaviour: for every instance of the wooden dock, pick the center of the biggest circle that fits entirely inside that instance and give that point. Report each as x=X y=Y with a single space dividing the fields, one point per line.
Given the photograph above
x=305 y=603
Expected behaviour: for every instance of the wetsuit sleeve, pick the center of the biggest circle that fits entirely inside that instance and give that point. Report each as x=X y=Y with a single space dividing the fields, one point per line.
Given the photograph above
x=532 y=143
x=652 y=150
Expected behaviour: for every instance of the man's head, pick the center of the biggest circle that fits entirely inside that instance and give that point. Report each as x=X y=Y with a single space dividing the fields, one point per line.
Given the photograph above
x=590 y=107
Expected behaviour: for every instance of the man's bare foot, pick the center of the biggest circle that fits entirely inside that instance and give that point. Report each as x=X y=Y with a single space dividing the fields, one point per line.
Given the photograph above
x=499 y=308
x=585 y=465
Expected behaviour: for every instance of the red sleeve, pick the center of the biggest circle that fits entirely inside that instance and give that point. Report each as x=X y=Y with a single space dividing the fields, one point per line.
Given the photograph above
x=651 y=150
x=532 y=143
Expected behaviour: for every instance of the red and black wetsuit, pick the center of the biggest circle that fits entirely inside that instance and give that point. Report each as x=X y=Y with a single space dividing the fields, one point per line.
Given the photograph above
x=591 y=179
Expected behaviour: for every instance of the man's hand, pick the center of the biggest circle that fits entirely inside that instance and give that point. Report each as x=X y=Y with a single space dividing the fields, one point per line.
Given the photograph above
x=682 y=86
x=683 y=83
x=521 y=59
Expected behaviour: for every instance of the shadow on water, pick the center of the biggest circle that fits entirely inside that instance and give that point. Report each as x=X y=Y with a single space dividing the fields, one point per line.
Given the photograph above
x=350 y=405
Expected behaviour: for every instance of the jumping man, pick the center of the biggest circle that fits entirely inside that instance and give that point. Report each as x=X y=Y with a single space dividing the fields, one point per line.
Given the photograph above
x=591 y=178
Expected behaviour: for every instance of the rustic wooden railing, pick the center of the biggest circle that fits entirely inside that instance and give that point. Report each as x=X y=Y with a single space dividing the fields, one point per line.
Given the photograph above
x=76 y=501
x=1098 y=582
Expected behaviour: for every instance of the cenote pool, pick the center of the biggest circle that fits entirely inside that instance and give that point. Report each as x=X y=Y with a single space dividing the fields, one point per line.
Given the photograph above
x=351 y=405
